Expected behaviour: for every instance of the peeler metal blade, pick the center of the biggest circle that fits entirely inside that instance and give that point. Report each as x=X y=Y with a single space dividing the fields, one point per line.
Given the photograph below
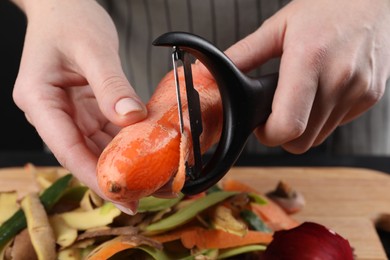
x=193 y=103
x=246 y=103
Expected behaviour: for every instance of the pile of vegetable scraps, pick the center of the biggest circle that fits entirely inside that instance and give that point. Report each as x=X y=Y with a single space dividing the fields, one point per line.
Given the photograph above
x=66 y=220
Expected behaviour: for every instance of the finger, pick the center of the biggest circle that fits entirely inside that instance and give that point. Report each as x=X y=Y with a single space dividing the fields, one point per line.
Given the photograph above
x=116 y=98
x=263 y=44
x=342 y=114
x=320 y=114
x=333 y=96
x=333 y=122
x=356 y=94
x=111 y=129
x=293 y=99
x=59 y=132
x=100 y=139
x=339 y=97
x=360 y=93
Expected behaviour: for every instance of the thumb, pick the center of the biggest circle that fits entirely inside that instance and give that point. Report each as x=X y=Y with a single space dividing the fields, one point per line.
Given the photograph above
x=260 y=46
x=115 y=96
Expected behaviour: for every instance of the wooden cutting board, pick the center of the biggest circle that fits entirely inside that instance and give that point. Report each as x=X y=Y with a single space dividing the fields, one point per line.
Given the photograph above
x=348 y=200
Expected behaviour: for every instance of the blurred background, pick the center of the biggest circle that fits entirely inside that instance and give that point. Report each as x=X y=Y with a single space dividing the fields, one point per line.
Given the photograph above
x=15 y=132
x=19 y=140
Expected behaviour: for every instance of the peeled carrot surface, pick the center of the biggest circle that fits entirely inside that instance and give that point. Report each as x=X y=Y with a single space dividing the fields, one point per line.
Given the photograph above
x=146 y=156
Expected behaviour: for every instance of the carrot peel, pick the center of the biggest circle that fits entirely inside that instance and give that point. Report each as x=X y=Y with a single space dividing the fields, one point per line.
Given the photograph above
x=214 y=238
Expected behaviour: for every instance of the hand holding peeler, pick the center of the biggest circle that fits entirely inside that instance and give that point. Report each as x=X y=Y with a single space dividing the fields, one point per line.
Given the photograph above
x=246 y=104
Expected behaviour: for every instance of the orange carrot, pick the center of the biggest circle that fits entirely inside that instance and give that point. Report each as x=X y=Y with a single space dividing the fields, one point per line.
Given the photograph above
x=230 y=184
x=172 y=235
x=274 y=216
x=118 y=244
x=197 y=196
x=110 y=248
x=214 y=238
x=145 y=156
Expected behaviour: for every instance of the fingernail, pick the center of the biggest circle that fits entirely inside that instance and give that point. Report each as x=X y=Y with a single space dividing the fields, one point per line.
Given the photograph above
x=126 y=106
x=131 y=208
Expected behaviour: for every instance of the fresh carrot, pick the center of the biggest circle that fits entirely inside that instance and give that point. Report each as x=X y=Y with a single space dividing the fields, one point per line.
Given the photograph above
x=214 y=238
x=145 y=156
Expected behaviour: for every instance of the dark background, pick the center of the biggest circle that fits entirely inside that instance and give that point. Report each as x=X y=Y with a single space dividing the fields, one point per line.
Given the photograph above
x=15 y=132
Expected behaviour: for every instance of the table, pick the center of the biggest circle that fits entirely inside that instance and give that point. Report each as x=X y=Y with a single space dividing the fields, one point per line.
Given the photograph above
x=352 y=173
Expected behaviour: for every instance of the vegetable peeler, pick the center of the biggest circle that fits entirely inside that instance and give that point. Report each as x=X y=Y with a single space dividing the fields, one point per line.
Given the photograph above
x=246 y=104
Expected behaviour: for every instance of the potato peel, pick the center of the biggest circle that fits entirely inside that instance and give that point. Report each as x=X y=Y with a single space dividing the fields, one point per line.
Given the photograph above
x=41 y=233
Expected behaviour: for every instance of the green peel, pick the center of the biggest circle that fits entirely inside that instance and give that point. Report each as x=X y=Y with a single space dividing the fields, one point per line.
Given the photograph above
x=152 y=204
x=226 y=253
x=190 y=211
x=49 y=198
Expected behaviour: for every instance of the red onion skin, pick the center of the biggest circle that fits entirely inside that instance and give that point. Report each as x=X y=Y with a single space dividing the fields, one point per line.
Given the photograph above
x=309 y=241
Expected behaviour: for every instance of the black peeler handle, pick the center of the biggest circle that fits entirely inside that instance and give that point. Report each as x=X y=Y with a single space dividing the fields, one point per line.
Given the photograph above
x=246 y=104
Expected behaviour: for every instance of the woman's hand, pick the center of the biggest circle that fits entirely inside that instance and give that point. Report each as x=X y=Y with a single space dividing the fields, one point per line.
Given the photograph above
x=71 y=85
x=335 y=61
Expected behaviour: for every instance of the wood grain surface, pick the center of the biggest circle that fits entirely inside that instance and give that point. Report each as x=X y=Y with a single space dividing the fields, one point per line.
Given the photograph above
x=348 y=200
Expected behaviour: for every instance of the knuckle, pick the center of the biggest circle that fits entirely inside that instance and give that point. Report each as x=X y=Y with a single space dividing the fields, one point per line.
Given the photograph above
x=290 y=130
x=341 y=83
x=364 y=80
x=315 y=54
x=19 y=94
x=267 y=22
x=319 y=52
x=280 y=132
x=295 y=128
x=244 y=46
x=322 y=136
x=373 y=95
x=296 y=147
x=370 y=90
x=112 y=84
x=346 y=75
x=293 y=136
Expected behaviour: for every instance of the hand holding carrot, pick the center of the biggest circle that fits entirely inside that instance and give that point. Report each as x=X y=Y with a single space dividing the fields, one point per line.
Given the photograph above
x=334 y=66
x=71 y=85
